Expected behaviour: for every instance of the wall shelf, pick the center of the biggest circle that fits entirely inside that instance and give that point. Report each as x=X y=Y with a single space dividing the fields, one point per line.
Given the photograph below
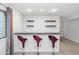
x=50 y=20
x=50 y=25
x=30 y=20
x=30 y=25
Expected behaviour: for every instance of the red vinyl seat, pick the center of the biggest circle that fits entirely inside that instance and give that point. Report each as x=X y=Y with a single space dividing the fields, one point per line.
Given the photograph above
x=53 y=40
x=37 y=39
x=23 y=40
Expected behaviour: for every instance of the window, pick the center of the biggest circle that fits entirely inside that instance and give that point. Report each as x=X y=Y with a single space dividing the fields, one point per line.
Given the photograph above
x=2 y=24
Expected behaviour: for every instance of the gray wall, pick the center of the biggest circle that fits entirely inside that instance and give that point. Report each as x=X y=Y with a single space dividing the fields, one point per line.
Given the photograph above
x=71 y=29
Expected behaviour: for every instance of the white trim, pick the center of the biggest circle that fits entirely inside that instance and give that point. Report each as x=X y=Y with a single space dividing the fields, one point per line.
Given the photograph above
x=3 y=8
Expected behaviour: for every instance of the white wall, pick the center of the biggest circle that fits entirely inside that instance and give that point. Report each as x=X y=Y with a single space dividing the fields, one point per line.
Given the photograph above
x=71 y=29
x=39 y=24
x=17 y=21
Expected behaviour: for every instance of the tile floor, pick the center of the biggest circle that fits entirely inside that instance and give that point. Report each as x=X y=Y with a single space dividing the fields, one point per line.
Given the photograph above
x=68 y=47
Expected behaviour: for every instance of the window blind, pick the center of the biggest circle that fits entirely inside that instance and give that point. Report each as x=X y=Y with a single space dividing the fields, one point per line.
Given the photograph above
x=2 y=24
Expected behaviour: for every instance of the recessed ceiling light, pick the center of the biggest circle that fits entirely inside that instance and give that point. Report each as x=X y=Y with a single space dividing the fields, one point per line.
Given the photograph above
x=54 y=10
x=29 y=10
x=41 y=10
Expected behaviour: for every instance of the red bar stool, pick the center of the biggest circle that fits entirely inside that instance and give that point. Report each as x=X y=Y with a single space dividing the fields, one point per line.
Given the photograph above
x=53 y=40
x=37 y=39
x=22 y=40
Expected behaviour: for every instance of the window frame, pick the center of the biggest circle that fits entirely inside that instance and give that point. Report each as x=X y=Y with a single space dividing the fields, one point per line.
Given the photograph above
x=5 y=15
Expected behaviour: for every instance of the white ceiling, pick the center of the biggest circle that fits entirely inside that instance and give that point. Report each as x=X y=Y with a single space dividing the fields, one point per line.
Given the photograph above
x=65 y=10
